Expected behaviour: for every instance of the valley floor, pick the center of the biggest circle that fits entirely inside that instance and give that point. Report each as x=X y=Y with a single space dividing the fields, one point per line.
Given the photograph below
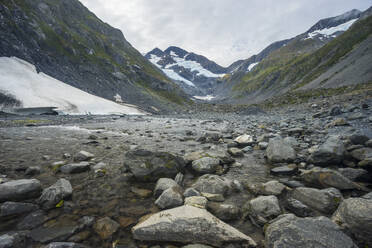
x=40 y=147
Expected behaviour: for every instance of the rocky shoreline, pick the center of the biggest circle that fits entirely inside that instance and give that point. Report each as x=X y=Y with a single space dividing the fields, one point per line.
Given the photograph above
x=295 y=178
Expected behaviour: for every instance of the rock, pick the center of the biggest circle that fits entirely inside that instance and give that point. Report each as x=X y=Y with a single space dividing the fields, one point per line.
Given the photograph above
x=331 y=152
x=354 y=174
x=65 y=245
x=280 y=152
x=291 y=231
x=362 y=153
x=126 y=221
x=75 y=168
x=196 y=201
x=214 y=197
x=196 y=246
x=355 y=215
x=32 y=220
x=179 y=179
x=163 y=184
x=263 y=145
x=358 y=139
x=291 y=141
x=286 y=170
x=191 y=192
x=210 y=137
x=224 y=211
x=271 y=188
x=22 y=189
x=336 y=110
x=222 y=155
x=150 y=166
x=235 y=152
x=59 y=191
x=49 y=234
x=6 y=241
x=337 y=123
x=244 y=140
x=33 y=170
x=213 y=184
x=13 y=239
x=264 y=208
x=187 y=224
x=105 y=227
x=16 y=208
x=206 y=165
x=298 y=208
x=325 y=178
x=325 y=200
x=170 y=198
x=83 y=156
x=99 y=166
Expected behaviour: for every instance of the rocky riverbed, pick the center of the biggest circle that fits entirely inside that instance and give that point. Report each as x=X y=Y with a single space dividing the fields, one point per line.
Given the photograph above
x=299 y=177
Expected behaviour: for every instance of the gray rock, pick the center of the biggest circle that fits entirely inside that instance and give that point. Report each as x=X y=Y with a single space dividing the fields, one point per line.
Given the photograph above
x=224 y=211
x=291 y=141
x=271 y=188
x=264 y=208
x=298 y=208
x=291 y=231
x=263 y=145
x=205 y=165
x=20 y=190
x=336 y=110
x=179 y=179
x=368 y=196
x=213 y=184
x=83 y=156
x=187 y=224
x=33 y=170
x=65 y=245
x=16 y=208
x=355 y=215
x=75 y=168
x=196 y=201
x=163 y=184
x=170 y=198
x=150 y=166
x=213 y=197
x=197 y=246
x=325 y=200
x=325 y=178
x=280 y=152
x=362 y=153
x=49 y=234
x=358 y=139
x=330 y=152
x=244 y=140
x=354 y=174
x=235 y=152
x=105 y=227
x=52 y=195
x=191 y=192
x=7 y=241
x=286 y=170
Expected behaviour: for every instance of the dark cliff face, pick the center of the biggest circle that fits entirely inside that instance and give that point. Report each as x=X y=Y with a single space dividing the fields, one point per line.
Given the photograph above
x=65 y=40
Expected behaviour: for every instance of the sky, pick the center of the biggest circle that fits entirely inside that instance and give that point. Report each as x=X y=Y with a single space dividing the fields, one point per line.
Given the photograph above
x=222 y=30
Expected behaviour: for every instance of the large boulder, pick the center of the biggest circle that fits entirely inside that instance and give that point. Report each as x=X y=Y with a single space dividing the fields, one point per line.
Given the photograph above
x=59 y=191
x=213 y=184
x=188 y=224
x=325 y=178
x=279 y=151
x=18 y=190
x=355 y=215
x=325 y=200
x=150 y=166
x=289 y=231
x=16 y=208
x=330 y=152
x=206 y=165
x=264 y=208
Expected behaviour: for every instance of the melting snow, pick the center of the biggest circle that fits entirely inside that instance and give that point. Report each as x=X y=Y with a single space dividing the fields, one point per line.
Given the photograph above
x=195 y=66
x=205 y=98
x=250 y=67
x=329 y=31
x=20 y=78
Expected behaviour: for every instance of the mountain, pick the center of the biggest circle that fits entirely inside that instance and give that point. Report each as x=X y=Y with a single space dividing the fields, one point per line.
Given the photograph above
x=66 y=41
x=290 y=63
x=194 y=73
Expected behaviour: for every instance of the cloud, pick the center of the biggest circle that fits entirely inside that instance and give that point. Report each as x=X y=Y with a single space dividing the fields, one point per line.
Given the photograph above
x=222 y=30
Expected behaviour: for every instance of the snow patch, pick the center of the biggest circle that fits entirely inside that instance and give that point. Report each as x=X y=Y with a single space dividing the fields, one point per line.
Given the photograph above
x=250 y=67
x=330 y=31
x=204 y=98
x=195 y=66
x=33 y=89
x=175 y=76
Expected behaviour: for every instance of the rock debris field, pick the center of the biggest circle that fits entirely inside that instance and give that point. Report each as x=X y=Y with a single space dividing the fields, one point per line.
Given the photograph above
x=299 y=177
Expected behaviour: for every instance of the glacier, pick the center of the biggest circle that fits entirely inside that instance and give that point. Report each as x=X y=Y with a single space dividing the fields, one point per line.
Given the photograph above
x=20 y=79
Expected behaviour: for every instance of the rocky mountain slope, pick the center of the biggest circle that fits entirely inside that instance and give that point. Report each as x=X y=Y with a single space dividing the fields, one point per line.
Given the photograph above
x=194 y=73
x=293 y=63
x=66 y=41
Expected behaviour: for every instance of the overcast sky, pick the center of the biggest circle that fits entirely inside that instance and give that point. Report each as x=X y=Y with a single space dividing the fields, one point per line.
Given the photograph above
x=222 y=30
